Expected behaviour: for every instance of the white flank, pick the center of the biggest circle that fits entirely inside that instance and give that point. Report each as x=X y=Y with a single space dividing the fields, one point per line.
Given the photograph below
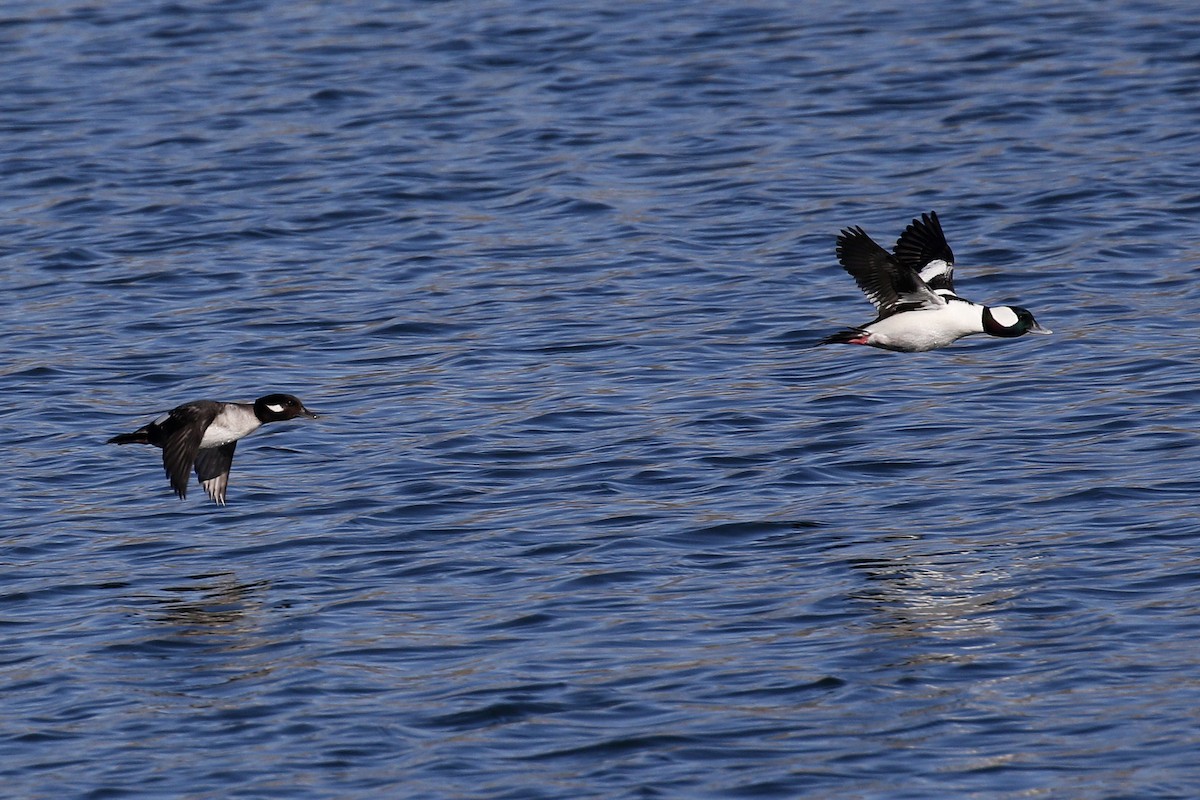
x=928 y=329
x=230 y=425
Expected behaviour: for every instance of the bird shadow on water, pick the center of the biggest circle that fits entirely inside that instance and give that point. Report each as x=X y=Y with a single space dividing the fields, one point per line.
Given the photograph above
x=215 y=602
x=215 y=628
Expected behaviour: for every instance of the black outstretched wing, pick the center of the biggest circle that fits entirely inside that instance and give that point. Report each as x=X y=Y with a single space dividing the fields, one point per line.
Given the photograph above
x=212 y=468
x=922 y=248
x=181 y=433
x=887 y=283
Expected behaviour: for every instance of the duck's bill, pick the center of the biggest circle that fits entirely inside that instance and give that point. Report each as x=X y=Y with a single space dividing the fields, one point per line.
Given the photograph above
x=314 y=415
x=1039 y=329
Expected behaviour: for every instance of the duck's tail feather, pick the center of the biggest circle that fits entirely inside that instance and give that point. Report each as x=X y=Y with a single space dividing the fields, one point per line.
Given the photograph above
x=847 y=336
x=137 y=437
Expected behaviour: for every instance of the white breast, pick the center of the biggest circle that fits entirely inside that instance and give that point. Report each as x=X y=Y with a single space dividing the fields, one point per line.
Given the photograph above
x=231 y=424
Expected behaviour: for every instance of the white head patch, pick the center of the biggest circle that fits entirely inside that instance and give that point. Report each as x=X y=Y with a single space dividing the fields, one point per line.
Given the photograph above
x=1004 y=316
x=276 y=408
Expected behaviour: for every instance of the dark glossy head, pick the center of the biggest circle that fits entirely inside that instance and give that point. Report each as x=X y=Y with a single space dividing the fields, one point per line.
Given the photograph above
x=278 y=407
x=1010 y=321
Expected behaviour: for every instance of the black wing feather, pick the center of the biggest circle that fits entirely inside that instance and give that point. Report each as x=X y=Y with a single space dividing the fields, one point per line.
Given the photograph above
x=890 y=285
x=212 y=468
x=180 y=435
x=923 y=242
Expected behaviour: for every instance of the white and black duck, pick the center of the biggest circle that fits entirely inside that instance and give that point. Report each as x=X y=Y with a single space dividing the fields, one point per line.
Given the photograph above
x=203 y=434
x=913 y=289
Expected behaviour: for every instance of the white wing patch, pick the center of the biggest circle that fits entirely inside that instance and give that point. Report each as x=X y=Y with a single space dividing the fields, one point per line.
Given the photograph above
x=933 y=269
x=1005 y=316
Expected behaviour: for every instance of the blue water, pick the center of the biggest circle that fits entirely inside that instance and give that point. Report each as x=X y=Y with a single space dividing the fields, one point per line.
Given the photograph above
x=585 y=515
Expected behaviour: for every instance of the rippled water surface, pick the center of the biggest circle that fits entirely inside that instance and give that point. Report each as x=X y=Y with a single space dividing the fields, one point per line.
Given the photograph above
x=586 y=515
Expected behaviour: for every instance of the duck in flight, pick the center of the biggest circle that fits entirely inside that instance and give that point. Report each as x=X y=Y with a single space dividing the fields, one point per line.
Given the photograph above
x=913 y=289
x=203 y=434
